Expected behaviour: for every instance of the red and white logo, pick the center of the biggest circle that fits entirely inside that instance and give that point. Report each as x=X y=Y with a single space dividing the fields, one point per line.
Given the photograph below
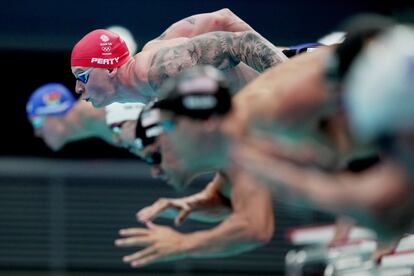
x=104 y=38
x=106 y=49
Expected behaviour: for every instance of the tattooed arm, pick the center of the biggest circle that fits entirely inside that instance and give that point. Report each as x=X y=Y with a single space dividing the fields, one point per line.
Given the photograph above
x=221 y=20
x=223 y=50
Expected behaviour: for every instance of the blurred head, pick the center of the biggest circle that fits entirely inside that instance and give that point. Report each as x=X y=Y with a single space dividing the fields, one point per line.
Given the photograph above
x=332 y=38
x=379 y=89
x=147 y=132
x=194 y=106
x=172 y=168
x=95 y=61
x=122 y=119
x=360 y=30
x=46 y=109
x=157 y=150
x=147 y=142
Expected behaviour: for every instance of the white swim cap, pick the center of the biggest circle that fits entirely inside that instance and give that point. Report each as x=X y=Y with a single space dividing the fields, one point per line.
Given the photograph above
x=332 y=38
x=379 y=90
x=119 y=112
x=127 y=36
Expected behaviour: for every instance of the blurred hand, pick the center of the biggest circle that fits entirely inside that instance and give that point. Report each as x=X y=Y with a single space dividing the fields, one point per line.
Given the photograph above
x=207 y=206
x=384 y=249
x=161 y=244
x=166 y=207
x=343 y=228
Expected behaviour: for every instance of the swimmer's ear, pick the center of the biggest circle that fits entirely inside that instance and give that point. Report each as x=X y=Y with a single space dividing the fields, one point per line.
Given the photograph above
x=112 y=72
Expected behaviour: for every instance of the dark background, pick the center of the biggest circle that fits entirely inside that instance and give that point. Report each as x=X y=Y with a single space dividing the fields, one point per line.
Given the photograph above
x=36 y=38
x=59 y=215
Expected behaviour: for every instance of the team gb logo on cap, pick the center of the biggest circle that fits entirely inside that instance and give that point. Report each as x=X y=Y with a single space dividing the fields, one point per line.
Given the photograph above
x=104 y=38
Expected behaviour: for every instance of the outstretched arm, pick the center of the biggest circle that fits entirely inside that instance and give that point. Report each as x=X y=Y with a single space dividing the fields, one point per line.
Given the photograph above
x=221 y=20
x=332 y=191
x=223 y=50
x=250 y=225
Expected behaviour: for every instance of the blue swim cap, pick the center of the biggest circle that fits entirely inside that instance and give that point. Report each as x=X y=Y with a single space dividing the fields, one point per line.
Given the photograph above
x=50 y=99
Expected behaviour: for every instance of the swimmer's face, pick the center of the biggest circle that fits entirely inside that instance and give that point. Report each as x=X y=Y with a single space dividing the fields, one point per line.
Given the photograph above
x=171 y=168
x=96 y=85
x=199 y=144
x=53 y=132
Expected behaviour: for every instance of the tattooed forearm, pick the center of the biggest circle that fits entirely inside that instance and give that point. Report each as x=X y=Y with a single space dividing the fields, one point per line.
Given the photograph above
x=223 y=50
x=255 y=51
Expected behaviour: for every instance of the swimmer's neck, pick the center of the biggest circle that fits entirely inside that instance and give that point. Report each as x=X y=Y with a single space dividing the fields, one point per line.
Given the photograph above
x=85 y=121
x=133 y=83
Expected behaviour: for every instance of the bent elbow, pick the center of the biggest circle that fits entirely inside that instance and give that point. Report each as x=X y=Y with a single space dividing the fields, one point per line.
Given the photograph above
x=266 y=234
x=222 y=18
x=225 y=12
x=262 y=234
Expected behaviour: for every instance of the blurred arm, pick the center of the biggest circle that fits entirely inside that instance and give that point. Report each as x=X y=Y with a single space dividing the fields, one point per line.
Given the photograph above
x=372 y=189
x=343 y=227
x=250 y=225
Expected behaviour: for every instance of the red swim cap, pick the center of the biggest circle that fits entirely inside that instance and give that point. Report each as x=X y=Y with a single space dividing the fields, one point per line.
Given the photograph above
x=100 y=49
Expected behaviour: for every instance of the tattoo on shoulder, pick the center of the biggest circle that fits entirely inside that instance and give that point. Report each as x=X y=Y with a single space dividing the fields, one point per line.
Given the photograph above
x=223 y=50
x=202 y=49
x=191 y=20
x=257 y=52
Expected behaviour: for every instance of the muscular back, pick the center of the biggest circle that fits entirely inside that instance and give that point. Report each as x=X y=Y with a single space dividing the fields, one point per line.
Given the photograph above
x=286 y=93
x=290 y=103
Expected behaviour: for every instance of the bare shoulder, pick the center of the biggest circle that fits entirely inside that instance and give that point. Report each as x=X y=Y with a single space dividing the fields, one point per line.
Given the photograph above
x=294 y=85
x=170 y=59
x=142 y=64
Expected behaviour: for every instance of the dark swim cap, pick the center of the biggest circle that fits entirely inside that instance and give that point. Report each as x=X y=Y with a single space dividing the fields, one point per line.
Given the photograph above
x=199 y=93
